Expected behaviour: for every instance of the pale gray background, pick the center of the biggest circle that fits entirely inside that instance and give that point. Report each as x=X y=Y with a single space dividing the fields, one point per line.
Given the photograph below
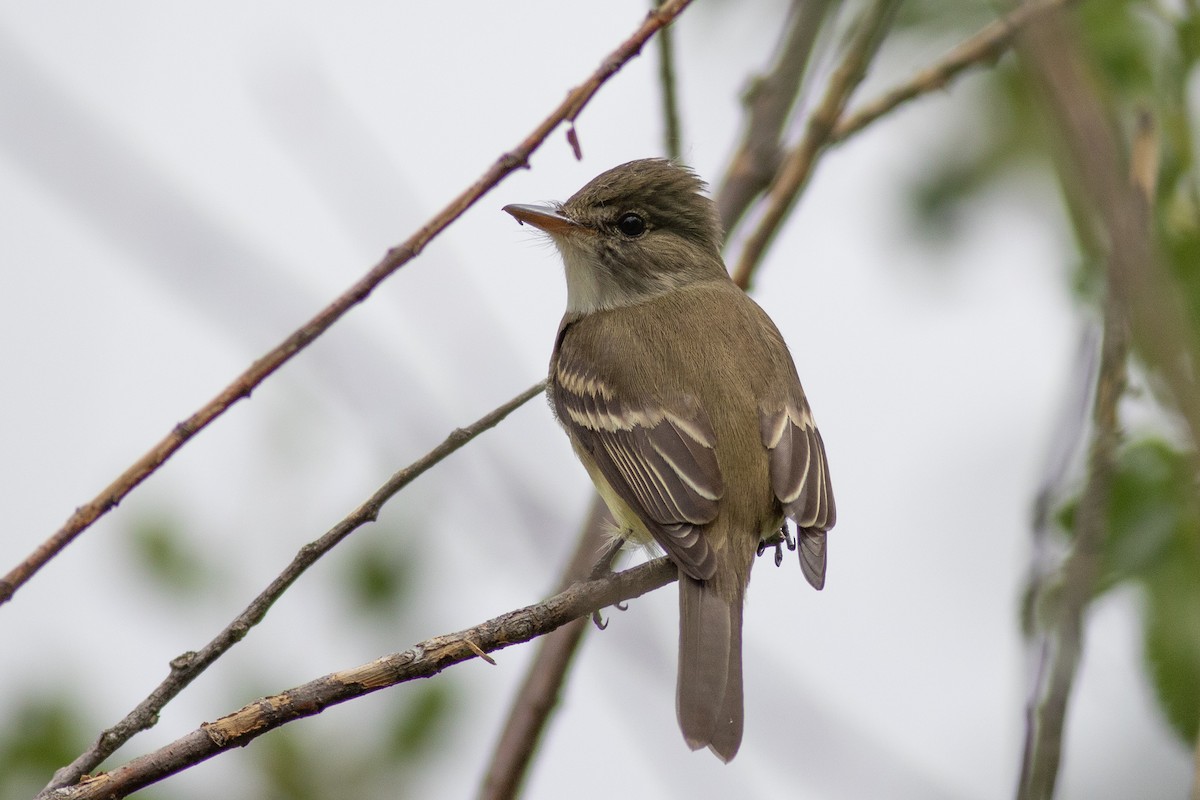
x=182 y=184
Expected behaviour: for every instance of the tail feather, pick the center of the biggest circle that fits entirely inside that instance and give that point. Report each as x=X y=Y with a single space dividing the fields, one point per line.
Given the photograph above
x=709 y=693
x=727 y=735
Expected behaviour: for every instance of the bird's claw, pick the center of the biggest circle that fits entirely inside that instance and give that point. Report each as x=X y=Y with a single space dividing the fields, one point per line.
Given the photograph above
x=777 y=540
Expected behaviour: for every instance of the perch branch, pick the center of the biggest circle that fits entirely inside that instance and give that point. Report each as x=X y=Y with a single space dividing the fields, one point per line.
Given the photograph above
x=187 y=667
x=538 y=695
x=422 y=660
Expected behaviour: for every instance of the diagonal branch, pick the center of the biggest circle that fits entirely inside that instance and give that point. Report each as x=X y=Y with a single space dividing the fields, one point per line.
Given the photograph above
x=768 y=102
x=187 y=667
x=568 y=110
x=672 y=131
x=422 y=660
x=1121 y=206
x=984 y=46
x=987 y=45
x=535 y=701
x=794 y=172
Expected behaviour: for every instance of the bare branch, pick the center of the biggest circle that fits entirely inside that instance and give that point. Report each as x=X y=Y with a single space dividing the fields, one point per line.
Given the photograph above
x=986 y=46
x=1160 y=327
x=768 y=102
x=538 y=696
x=1121 y=202
x=794 y=172
x=187 y=667
x=422 y=660
x=672 y=134
x=396 y=258
x=759 y=164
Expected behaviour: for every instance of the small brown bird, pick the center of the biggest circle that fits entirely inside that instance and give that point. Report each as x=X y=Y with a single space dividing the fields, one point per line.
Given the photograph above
x=682 y=401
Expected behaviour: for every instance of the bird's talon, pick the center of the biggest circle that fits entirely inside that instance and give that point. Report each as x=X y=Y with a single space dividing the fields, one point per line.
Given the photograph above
x=598 y=620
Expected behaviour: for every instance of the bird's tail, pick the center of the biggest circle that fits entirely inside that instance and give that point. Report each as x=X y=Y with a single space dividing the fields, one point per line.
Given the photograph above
x=708 y=698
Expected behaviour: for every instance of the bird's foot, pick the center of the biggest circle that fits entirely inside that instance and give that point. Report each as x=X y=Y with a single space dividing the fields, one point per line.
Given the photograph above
x=777 y=540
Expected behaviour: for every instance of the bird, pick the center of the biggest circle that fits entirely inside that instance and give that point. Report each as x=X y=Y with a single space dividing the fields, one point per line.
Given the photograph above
x=682 y=401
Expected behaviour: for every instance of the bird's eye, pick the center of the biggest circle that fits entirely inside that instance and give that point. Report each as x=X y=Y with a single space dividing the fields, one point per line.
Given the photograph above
x=631 y=225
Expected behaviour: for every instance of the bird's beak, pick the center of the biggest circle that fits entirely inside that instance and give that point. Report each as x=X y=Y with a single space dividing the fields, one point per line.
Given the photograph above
x=546 y=218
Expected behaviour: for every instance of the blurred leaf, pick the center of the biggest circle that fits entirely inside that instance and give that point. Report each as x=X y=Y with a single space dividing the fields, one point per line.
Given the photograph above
x=1152 y=504
x=293 y=769
x=423 y=720
x=162 y=550
x=42 y=734
x=379 y=576
x=1155 y=539
x=1124 y=44
x=1173 y=643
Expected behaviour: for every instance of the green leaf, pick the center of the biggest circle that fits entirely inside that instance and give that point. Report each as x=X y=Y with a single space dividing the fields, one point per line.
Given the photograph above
x=163 y=551
x=422 y=720
x=1172 y=634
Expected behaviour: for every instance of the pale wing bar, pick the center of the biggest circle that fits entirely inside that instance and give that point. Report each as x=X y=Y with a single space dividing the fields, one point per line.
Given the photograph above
x=660 y=463
x=800 y=480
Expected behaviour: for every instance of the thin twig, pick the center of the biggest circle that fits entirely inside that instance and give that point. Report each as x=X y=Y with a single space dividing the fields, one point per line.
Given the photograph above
x=672 y=133
x=797 y=166
x=538 y=695
x=768 y=103
x=1063 y=600
x=568 y=110
x=1160 y=327
x=1057 y=64
x=991 y=42
x=187 y=667
x=422 y=660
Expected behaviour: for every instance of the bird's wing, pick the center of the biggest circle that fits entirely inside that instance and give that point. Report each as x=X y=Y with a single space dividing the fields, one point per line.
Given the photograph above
x=800 y=479
x=659 y=460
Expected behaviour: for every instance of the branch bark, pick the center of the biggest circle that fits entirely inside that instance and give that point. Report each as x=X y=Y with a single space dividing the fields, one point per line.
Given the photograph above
x=1120 y=199
x=768 y=103
x=187 y=667
x=991 y=42
x=538 y=695
x=794 y=172
x=422 y=660
x=567 y=111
